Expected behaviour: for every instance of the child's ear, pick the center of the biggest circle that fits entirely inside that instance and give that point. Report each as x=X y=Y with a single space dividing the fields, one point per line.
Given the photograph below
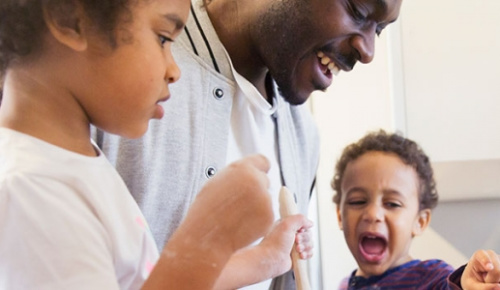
x=421 y=223
x=339 y=218
x=66 y=24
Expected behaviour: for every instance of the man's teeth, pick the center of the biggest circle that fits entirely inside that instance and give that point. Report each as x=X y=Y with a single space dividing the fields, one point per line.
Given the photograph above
x=325 y=60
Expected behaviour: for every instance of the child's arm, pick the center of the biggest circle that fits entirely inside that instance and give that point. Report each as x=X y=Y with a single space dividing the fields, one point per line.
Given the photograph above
x=232 y=210
x=482 y=271
x=271 y=257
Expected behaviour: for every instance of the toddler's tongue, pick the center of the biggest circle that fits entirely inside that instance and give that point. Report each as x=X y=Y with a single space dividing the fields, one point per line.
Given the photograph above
x=373 y=245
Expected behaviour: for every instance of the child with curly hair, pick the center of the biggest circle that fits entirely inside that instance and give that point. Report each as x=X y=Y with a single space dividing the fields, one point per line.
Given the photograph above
x=384 y=192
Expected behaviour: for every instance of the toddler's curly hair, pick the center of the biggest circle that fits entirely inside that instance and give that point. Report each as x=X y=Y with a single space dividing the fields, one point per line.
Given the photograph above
x=407 y=150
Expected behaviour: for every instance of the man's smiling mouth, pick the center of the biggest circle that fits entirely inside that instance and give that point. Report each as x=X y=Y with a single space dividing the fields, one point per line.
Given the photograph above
x=328 y=63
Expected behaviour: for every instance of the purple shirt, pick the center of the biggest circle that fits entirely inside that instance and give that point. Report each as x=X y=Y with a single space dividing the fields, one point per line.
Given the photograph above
x=416 y=274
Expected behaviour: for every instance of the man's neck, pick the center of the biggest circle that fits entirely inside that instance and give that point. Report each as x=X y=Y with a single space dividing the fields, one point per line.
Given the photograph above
x=232 y=20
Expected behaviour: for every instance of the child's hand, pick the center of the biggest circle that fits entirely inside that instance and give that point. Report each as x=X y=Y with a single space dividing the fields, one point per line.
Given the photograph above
x=482 y=271
x=234 y=207
x=304 y=243
x=278 y=243
x=232 y=210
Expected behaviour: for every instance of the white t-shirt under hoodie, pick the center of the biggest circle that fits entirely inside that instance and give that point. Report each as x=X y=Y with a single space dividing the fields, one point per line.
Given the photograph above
x=252 y=131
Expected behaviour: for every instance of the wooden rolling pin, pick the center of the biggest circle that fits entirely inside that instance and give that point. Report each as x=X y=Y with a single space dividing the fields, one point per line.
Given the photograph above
x=288 y=207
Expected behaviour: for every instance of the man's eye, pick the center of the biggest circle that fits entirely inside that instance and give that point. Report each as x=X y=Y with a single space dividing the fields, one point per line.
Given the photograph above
x=379 y=29
x=358 y=15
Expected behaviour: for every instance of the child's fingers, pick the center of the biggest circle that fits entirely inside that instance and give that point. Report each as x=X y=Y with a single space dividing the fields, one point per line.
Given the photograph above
x=251 y=167
x=493 y=267
x=305 y=250
x=306 y=226
x=298 y=223
x=482 y=271
x=481 y=261
x=259 y=161
x=303 y=242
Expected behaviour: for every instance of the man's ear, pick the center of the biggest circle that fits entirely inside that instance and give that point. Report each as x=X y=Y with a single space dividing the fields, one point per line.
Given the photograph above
x=421 y=222
x=66 y=24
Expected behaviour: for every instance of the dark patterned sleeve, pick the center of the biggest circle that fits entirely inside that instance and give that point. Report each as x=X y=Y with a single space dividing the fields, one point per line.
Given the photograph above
x=455 y=277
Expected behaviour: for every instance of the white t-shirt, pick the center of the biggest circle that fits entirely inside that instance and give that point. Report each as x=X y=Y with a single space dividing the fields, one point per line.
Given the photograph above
x=67 y=221
x=253 y=130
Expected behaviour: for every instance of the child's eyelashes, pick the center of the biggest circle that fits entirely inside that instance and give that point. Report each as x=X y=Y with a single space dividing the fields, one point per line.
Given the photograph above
x=361 y=202
x=393 y=204
x=356 y=202
x=164 y=39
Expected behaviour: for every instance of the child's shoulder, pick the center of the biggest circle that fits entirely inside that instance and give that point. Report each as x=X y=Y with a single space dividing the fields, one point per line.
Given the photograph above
x=38 y=166
x=417 y=273
x=434 y=264
x=422 y=268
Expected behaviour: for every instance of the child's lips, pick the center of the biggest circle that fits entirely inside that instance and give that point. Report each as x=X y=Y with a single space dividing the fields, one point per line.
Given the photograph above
x=164 y=99
x=159 y=111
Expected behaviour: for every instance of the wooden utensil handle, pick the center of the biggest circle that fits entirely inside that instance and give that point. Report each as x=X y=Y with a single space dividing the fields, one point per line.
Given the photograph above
x=289 y=207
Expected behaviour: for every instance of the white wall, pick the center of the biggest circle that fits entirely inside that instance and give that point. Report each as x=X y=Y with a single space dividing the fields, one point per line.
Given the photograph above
x=451 y=57
x=436 y=77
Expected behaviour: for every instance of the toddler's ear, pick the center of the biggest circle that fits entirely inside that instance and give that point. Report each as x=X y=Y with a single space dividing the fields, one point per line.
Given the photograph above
x=66 y=23
x=421 y=222
x=339 y=218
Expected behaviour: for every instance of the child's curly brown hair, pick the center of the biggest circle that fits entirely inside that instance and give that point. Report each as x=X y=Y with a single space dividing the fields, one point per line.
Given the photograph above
x=407 y=150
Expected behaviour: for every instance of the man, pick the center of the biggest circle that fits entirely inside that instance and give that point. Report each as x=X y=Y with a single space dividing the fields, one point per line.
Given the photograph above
x=247 y=66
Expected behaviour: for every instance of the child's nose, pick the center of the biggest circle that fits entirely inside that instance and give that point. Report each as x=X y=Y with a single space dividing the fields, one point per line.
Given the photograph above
x=373 y=213
x=172 y=71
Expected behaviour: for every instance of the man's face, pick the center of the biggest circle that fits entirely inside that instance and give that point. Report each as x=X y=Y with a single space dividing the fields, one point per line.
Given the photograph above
x=291 y=34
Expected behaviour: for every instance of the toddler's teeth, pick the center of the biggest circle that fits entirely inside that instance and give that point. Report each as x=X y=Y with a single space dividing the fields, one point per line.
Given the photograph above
x=320 y=54
x=325 y=60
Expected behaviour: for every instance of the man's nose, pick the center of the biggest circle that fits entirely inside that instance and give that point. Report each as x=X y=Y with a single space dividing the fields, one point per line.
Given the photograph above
x=364 y=43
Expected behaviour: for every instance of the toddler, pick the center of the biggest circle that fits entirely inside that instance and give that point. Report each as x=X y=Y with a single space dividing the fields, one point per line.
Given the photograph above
x=385 y=192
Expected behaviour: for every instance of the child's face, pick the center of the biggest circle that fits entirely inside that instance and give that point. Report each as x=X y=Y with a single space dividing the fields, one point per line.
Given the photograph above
x=379 y=211
x=126 y=84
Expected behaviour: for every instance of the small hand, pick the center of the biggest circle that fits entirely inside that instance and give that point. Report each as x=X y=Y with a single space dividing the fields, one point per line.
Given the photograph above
x=304 y=243
x=278 y=243
x=482 y=271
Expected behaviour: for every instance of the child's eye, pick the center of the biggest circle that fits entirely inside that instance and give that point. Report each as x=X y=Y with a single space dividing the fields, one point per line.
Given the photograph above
x=393 y=204
x=356 y=202
x=163 y=39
